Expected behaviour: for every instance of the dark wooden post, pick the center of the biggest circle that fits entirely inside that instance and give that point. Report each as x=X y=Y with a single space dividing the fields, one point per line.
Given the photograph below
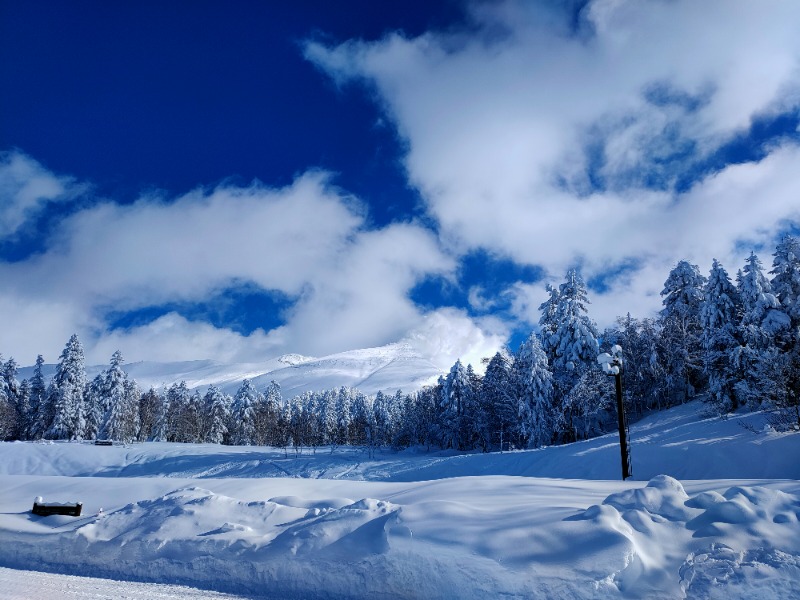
x=612 y=365
x=622 y=419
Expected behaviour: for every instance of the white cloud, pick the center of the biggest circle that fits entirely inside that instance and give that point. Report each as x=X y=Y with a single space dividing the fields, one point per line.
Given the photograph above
x=350 y=285
x=496 y=129
x=447 y=334
x=25 y=188
x=171 y=337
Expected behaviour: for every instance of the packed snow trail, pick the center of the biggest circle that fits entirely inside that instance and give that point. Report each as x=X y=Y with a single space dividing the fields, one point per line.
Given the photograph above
x=35 y=585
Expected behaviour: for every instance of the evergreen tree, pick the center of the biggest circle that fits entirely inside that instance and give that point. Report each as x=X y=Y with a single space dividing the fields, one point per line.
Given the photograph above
x=162 y=430
x=150 y=408
x=681 y=330
x=245 y=404
x=269 y=428
x=24 y=404
x=40 y=417
x=533 y=384
x=9 y=415
x=786 y=287
x=179 y=415
x=10 y=420
x=718 y=318
x=459 y=409
x=498 y=399
x=755 y=360
x=218 y=414
x=549 y=321
x=786 y=277
x=68 y=388
x=112 y=399
x=575 y=337
x=345 y=416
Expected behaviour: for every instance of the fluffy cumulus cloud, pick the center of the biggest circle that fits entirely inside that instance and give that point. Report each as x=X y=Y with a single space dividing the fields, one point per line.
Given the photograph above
x=348 y=285
x=557 y=140
x=448 y=334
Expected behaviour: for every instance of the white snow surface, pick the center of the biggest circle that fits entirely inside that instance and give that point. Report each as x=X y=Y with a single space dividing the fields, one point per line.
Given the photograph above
x=387 y=368
x=714 y=512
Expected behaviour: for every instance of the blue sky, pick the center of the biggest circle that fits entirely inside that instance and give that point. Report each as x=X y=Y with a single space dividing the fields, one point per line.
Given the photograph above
x=244 y=179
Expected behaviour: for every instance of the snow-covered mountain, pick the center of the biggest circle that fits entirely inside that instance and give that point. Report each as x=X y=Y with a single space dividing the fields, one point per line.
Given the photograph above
x=386 y=368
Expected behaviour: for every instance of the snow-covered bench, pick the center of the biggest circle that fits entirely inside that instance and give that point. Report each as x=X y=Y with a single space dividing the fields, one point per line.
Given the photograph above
x=56 y=508
x=103 y=443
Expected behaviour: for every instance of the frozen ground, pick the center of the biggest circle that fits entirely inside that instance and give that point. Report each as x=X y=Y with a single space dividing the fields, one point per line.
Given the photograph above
x=714 y=513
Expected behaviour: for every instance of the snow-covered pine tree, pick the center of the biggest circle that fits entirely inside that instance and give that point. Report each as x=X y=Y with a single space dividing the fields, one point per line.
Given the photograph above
x=589 y=408
x=719 y=320
x=575 y=337
x=681 y=330
x=457 y=407
x=69 y=384
x=382 y=419
x=162 y=430
x=93 y=406
x=296 y=422
x=218 y=415
x=548 y=322
x=177 y=402
x=149 y=410
x=755 y=361
x=329 y=418
x=786 y=277
x=9 y=374
x=192 y=418
x=121 y=420
x=642 y=378
x=311 y=412
x=533 y=388
x=9 y=416
x=498 y=400
x=133 y=396
x=10 y=419
x=24 y=405
x=112 y=399
x=243 y=417
x=786 y=287
x=269 y=429
x=266 y=415
x=40 y=419
x=344 y=404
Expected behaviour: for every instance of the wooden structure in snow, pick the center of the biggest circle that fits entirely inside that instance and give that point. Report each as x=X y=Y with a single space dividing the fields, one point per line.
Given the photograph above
x=46 y=509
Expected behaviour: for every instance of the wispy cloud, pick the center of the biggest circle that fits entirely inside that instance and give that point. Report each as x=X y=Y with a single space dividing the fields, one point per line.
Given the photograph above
x=26 y=187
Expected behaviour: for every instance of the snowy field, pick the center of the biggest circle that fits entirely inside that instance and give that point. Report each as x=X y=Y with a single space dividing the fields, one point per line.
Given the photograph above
x=713 y=512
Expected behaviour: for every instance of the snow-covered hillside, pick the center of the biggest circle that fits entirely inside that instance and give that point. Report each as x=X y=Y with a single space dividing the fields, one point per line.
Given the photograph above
x=715 y=512
x=386 y=368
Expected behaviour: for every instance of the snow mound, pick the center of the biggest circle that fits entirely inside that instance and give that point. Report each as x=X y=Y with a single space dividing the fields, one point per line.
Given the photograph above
x=755 y=510
x=638 y=526
x=355 y=530
x=720 y=572
x=662 y=497
x=169 y=521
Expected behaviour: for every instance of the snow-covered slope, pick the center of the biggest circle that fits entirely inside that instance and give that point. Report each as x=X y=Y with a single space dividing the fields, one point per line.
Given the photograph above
x=715 y=513
x=386 y=368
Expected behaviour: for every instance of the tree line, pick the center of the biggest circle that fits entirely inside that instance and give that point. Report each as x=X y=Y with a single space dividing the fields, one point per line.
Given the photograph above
x=736 y=342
